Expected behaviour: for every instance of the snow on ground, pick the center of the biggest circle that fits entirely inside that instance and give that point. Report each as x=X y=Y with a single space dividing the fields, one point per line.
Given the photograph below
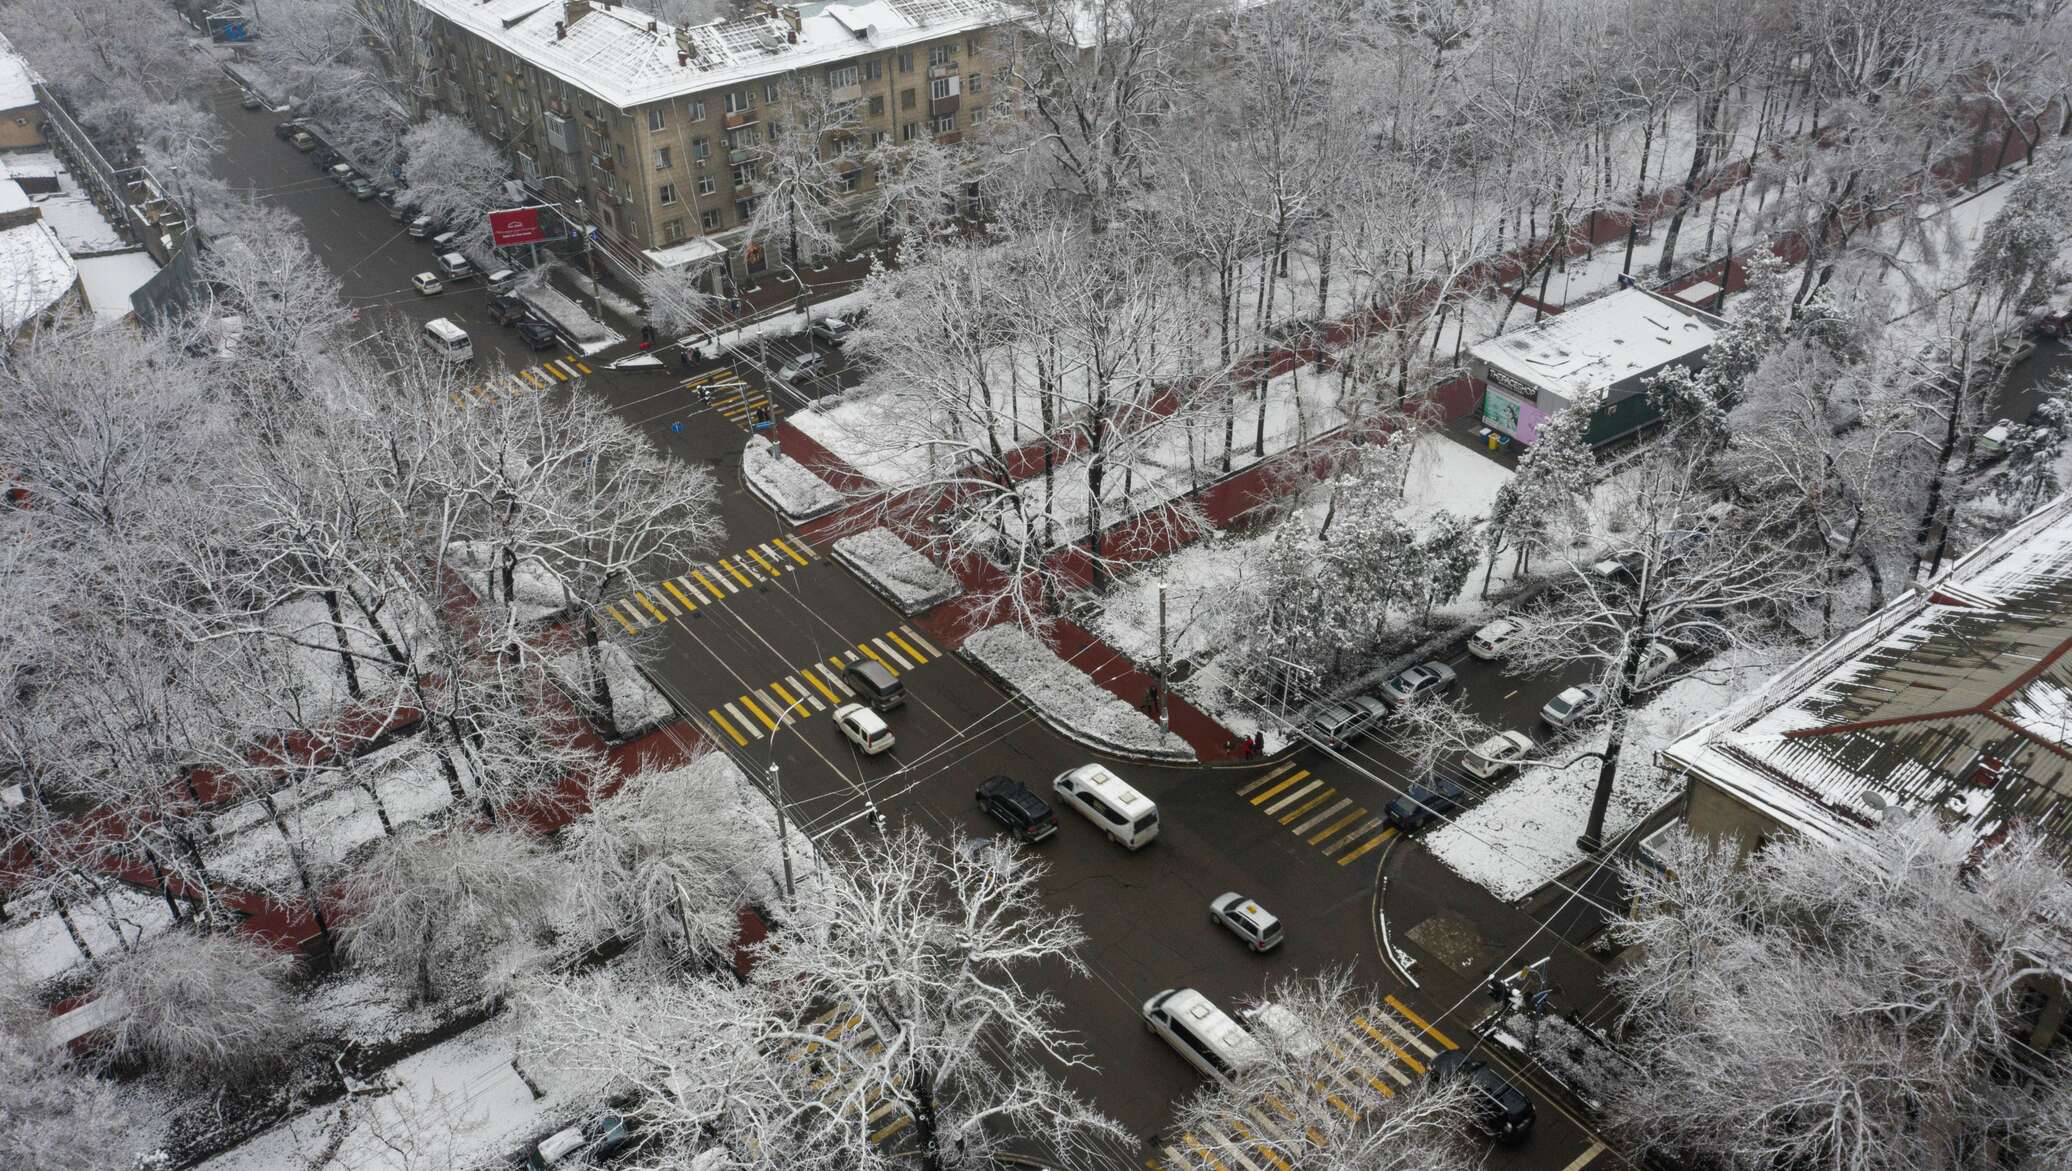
x=36 y=946
x=1524 y=835
x=590 y=335
x=1066 y=696
x=540 y=592
x=109 y=281
x=896 y=570
x=777 y=325
x=456 y=1105
x=787 y=486
x=308 y=648
x=636 y=706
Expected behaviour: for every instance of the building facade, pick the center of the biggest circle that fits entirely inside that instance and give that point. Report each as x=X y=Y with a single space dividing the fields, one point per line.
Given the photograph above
x=657 y=130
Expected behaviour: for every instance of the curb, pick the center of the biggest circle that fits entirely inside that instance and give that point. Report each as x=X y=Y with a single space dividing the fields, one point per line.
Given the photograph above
x=956 y=589
x=793 y=519
x=1067 y=731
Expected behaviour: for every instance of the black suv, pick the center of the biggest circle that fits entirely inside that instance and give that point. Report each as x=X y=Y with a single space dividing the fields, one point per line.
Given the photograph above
x=507 y=310
x=1502 y=1110
x=1010 y=803
x=1437 y=797
x=536 y=333
x=874 y=684
x=286 y=130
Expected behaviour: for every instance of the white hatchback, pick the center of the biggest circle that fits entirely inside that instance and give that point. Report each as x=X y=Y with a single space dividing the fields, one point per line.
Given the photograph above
x=1498 y=754
x=864 y=728
x=426 y=283
x=1493 y=640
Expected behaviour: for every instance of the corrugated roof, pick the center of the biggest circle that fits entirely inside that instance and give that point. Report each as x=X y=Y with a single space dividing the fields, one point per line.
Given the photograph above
x=1956 y=698
x=1595 y=345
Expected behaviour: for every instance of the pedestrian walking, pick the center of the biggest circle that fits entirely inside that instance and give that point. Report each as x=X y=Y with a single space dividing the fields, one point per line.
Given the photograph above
x=647 y=333
x=1151 y=701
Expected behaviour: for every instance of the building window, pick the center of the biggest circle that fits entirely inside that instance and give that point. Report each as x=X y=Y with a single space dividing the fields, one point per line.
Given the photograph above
x=666 y=194
x=705 y=184
x=672 y=232
x=850 y=179
x=740 y=101
x=745 y=208
x=878 y=136
x=972 y=42
x=770 y=92
x=877 y=105
x=662 y=158
x=709 y=220
x=701 y=149
x=873 y=69
x=841 y=76
x=906 y=61
x=971 y=84
x=655 y=118
x=697 y=109
x=942 y=87
x=619 y=149
x=978 y=115
x=941 y=54
x=945 y=124
x=910 y=132
x=744 y=174
x=906 y=99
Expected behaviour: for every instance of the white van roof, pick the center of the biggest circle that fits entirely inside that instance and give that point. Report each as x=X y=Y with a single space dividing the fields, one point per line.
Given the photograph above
x=445 y=330
x=1114 y=788
x=555 y=1147
x=1228 y=1038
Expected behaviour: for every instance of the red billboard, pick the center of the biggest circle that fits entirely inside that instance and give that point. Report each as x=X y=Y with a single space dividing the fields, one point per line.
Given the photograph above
x=519 y=225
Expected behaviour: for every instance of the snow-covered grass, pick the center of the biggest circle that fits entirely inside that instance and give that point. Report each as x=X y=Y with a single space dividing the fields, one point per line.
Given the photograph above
x=35 y=945
x=784 y=485
x=896 y=570
x=540 y=592
x=636 y=706
x=1068 y=698
x=455 y=1105
x=777 y=325
x=1524 y=835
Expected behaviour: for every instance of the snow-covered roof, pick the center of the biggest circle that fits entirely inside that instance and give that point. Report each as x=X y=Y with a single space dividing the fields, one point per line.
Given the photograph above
x=35 y=273
x=17 y=80
x=12 y=197
x=1956 y=699
x=1595 y=345
x=109 y=281
x=609 y=52
x=70 y=212
x=691 y=251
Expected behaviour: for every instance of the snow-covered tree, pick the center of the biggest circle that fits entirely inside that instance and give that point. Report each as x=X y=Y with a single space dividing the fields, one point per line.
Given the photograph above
x=807 y=160
x=1548 y=497
x=54 y=1116
x=1845 y=1006
x=679 y=300
x=455 y=175
x=203 y=1009
x=2028 y=473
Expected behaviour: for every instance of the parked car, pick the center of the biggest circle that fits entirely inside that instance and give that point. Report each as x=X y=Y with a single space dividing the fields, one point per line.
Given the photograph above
x=455 y=266
x=443 y=242
x=864 y=728
x=250 y=100
x=426 y=283
x=832 y=330
x=1495 y=638
x=1247 y=920
x=1424 y=681
x=1015 y=806
x=361 y=188
x=1621 y=566
x=1502 y=1110
x=1572 y=705
x=287 y=130
x=1657 y=661
x=608 y=1135
x=507 y=310
x=1498 y=754
x=1439 y=796
x=805 y=366
x=420 y=227
x=342 y=173
x=537 y=334
x=324 y=159
x=301 y=140
x=1336 y=724
x=1992 y=444
x=502 y=280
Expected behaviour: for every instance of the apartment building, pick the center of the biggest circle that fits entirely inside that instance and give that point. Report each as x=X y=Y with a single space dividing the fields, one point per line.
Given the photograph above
x=656 y=129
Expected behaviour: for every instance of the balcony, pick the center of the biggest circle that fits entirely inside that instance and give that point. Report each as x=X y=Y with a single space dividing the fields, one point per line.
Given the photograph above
x=744 y=118
x=745 y=191
x=946 y=69
x=742 y=155
x=845 y=93
x=604 y=162
x=941 y=106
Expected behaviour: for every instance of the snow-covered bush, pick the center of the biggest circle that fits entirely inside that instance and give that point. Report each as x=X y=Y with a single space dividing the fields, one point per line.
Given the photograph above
x=785 y=485
x=1585 y=1063
x=202 y=1009
x=1068 y=698
x=892 y=567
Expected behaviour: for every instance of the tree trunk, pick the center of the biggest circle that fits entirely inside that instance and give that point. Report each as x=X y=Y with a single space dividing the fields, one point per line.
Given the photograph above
x=388 y=828
x=72 y=929
x=1701 y=157
x=1640 y=191
x=1621 y=700
x=427 y=933
x=600 y=686
x=352 y=668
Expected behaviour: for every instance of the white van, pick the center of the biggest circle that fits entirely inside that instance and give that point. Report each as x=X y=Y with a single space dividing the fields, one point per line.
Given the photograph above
x=1108 y=801
x=1199 y=1031
x=448 y=340
x=453 y=266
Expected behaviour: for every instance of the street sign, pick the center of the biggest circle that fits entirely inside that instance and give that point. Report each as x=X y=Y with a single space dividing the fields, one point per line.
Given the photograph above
x=518 y=225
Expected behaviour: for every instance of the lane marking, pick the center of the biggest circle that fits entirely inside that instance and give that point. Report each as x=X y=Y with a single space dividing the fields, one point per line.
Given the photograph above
x=642 y=599
x=768 y=568
x=779 y=542
x=1340 y=824
x=1329 y=811
x=1314 y=784
x=750 y=705
x=1414 y=1040
x=687 y=603
x=714 y=590
x=728 y=565
x=874 y=657
x=895 y=655
x=792 y=704
x=1352 y=837
x=835 y=679
x=773 y=705
x=808 y=696
x=1583 y=1160
x=554 y=370
x=815 y=681
x=910 y=651
x=616 y=617
x=665 y=603
x=1260 y=780
x=742 y=720
x=690 y=586
x=1415 y=1065
x=1308 y=805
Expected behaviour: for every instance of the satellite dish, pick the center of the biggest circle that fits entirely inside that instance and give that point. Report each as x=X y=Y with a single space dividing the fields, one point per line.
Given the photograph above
x=1876 y=802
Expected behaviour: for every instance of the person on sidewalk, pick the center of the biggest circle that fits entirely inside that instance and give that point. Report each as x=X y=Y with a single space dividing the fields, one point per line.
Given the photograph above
x=647 y=334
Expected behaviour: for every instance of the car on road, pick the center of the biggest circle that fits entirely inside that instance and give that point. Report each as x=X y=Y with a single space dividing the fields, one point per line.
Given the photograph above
x=1495 y=638
x=1657 y=661
x=250 y=100
x=1621 y=566
x=1338 y=723
x=1110 y=802
x=1502 y=1111
x=832 y=330
x=1412 y=684
x=864 y=728
x=1438 y=796
x=508 y=310
x=420 y=227
x=1202 y=1033
x=426 y=283
x=455 y=266
x=287 y=130
x=1013 y=805
x=325 y=158
x=875 y=684
x=1497 y=755
x=1572 y=705
x=303 y=141
x=361 y=188
x=1247 y=920
x=536 y=334
x=804 y=366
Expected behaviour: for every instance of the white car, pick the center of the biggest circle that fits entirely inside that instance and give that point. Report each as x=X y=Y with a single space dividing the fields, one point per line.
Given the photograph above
x=1656 y=662
x=1573 y=704
x=865 y=728
x=1493 y=640
x=1247 y=920
x=804 y=367
x=1498 y=754
x=426 y=283
x=832 y=330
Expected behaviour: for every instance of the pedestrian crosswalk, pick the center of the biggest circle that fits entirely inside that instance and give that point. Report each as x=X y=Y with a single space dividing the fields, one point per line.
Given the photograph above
x=1315 y=811
x=652 y=606
x=817 y=686
x=1374 y=1054
x=853 y=1085
x=731 y=395
x=513 y=383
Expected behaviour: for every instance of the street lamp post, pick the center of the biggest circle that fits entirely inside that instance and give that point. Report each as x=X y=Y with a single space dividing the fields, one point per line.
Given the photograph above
x=783 y=833
x=583 y=214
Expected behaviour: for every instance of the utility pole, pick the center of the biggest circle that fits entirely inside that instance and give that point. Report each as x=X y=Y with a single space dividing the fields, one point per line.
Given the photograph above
x=1164 y=664
x=590 y=266
x=783 y=833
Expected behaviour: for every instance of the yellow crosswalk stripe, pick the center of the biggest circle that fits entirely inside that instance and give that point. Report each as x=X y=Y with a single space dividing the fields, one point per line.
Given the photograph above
x=617 y=617
x=1262 y=778
x=555 y=370
x=1334 y=827
x=714 y=590
x=898 y=1124
x=1195 y=1144
x=687 y=603
x=742 y=720
x=533 y=379
x=913 y=654
x=1262 y=1146
x=1323 y=815
x=758 y=713
x=1371 y=824
x=788 y=551
x=771 y=705
x=1423 y=1026
x=1263 y=798
x=874 y=657
x=894 y=655
x=822 y=687
x=767 y=567
x=1415 y=1065
x=1314 y=784
x=1308 y=805
x=739 y=740
x=709 y=375
x=792 y=704
x=728 y=565
x=1378 y=839
x=923 y=643
x=580 y=368
x=642 y=599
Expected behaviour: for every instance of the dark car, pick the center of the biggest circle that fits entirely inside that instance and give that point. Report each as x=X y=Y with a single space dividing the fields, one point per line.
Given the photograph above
x=609 y=1134
x=1502 y=1111
x=286 y=130
x=1010 y=803
x=1411 y=684
x=875 y=684
x=1424 y=804
x=507 y=310
x=324 y=158
x=537 y=334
